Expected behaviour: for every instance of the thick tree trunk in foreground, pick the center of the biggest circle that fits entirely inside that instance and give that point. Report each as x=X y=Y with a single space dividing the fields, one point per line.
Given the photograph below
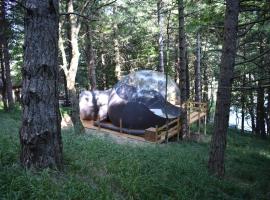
x=160 y=38
x=182 y=64
x=90 y=57
x=6 y=56
x=198 y=92
x=40 y=133
x=218 y=142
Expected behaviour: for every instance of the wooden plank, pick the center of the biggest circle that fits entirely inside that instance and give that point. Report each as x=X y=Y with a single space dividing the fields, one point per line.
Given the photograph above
x=89 y=125
x=194 y=119
x=170 y=135
x=169 y=124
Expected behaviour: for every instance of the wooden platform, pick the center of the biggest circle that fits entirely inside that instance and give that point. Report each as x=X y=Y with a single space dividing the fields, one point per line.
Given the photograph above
x=90 y=125
x=195 y=112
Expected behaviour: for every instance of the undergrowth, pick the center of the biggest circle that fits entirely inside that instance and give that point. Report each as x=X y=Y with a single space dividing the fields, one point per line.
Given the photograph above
x=101 y=169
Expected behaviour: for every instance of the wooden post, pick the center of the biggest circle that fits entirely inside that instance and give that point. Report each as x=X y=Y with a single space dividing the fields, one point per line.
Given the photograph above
x=98 y=122
x=156 y=133
x=120 y=125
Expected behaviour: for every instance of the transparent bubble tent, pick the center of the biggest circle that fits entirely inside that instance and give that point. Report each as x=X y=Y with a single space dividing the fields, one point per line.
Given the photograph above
x=139 y=100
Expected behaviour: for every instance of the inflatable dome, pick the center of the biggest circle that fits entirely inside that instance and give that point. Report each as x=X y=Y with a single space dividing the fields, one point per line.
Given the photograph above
x=93 y=104
x=138 y=99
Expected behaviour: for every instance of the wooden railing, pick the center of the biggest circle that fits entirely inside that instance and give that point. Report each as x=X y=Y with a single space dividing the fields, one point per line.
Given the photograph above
x=163 y=133
x=196 y=111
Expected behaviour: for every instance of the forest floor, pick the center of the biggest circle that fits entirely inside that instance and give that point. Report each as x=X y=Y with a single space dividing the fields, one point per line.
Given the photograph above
x=100 y=168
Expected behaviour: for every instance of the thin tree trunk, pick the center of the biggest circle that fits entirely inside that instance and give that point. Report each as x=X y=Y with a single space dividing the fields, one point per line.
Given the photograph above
x=198 y=93
x=6 y=55
x=260 y=115
x=268 y=112
x=187 y=77
x=3 y=88
x=205 y=84
x=73 y=68
x=243 y=100
x=90 y=57
x=167 y=54
x=260 y=110
x=251 y=107
x=218 y=142
x=160 y=38
x=40 y=133
x=117 y=56
x=182 y=65
x=176 y=60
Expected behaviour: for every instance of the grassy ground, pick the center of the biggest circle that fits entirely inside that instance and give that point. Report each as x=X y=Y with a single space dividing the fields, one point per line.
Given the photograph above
x=100 y=169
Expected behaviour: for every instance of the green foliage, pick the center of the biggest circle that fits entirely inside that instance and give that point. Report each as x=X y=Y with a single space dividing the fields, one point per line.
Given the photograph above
x=96 y=168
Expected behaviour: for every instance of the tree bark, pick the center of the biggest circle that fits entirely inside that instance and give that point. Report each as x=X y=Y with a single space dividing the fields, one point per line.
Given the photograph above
x=218 y=142
x=40 y=133
x=198 y=93
x=182 y=65
x=160 y=38
x=6 y=55
x=90 y=57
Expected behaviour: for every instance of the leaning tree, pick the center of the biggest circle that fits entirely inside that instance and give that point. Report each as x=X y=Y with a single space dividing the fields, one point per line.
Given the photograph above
x=40 y=133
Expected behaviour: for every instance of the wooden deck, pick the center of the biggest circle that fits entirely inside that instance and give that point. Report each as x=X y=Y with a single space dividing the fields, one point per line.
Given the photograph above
x=90 y=125
x=195 y=112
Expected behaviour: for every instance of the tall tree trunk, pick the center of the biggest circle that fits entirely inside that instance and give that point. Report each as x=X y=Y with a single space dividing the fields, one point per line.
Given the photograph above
x=167 y=54
x=3 y=79
x=218 y=142
x=8 y=76
x=176 y=59
x=160 y=38
x=260 y=115
x=182 y=64
x=198 y=93
x=73 y=68
x=117 y=56
x=40 y=133
x=6 y=55
x=251 y=107
x=187 y=77
x=268 y=112
x=90 y=57
x=243 y=100
x=260 y=111
x=118 y=70
x=205 y=84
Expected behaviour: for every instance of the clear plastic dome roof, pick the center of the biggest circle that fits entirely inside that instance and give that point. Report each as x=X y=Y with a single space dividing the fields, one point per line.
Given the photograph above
x=147 y=81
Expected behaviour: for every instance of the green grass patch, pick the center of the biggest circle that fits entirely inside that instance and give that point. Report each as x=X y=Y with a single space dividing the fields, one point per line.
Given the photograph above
x=97 y=168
